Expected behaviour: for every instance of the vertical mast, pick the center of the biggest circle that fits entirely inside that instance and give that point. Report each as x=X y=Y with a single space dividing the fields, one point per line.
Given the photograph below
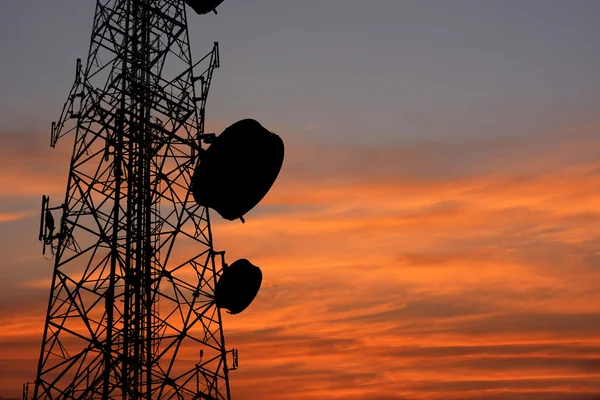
x=131 y=301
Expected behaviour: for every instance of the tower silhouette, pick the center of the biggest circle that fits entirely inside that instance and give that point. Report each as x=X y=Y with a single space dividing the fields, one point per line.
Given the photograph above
x=131 y=311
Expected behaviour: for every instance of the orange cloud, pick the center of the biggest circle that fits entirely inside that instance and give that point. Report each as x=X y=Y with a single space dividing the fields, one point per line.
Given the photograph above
x=414 y=273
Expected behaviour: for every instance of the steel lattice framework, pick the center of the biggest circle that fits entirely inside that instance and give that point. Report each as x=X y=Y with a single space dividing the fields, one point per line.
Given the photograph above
x=130 y=313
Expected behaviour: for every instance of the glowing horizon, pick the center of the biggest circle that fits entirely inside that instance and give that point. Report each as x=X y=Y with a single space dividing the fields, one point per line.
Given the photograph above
x=434 y=230
x=374 y=270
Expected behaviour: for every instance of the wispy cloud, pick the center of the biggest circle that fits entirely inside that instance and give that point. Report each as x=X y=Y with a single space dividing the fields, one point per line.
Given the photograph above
x=465 y=271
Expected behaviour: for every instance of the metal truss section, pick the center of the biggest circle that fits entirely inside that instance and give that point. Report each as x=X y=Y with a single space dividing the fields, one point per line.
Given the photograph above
x=131 y=313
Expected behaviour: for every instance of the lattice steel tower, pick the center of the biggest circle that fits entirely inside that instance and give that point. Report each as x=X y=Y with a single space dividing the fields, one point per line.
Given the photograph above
x=131 y=312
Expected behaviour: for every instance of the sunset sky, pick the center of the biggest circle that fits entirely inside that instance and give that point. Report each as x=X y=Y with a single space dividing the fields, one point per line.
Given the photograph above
x=435 y=230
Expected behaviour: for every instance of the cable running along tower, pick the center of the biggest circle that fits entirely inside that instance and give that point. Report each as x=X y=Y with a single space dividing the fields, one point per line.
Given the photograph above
x=137 y=288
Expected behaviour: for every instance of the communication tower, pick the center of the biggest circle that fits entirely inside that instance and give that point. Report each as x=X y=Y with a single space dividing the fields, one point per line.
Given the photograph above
x=137 y=289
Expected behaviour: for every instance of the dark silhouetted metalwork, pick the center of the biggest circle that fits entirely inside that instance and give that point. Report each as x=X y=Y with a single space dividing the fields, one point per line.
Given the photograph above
x=131 y=312
x=237 y=286
x=204 y=6
x=238 y=169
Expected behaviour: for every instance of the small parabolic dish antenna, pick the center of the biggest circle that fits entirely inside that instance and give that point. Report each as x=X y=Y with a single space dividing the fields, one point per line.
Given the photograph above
x=238 y=286
x=203 y=6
